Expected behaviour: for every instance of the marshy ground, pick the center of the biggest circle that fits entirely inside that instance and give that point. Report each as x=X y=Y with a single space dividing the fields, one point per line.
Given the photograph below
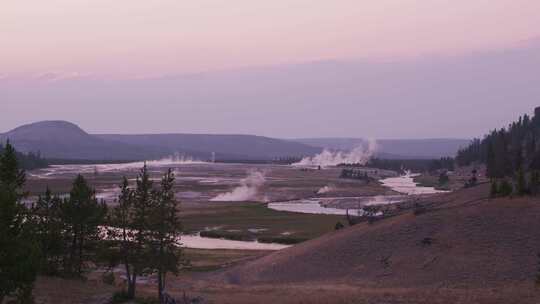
x=197 y=184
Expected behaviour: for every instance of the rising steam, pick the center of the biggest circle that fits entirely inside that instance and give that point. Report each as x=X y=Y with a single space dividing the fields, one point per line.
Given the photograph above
x=247 y=191
x=173 y=160
x=326 y=189
x=359 y=155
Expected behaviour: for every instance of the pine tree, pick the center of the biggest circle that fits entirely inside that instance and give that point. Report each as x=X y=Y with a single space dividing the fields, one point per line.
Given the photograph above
x=19 y=257
x=166 y=228
x=82 y=214
x=490 y=163
x=141 y=210
x=121 y=221
x=507 y=151
x=505 y=188
x=48 y=226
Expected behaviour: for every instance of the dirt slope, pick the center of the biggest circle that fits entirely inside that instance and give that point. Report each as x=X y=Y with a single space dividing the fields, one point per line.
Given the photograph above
x=462 y=242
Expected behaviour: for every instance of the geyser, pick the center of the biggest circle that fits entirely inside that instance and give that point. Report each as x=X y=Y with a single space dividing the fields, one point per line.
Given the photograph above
x=247 y=191
x=326 y=189
x=359 y=155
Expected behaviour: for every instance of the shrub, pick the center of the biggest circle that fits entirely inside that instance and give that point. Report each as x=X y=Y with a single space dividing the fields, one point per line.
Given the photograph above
x=419 y=209
x=443 y=179
x=494 y=189
x=505 y=188
x=521 y=186
x=471 y=182
x=427 y=241
x=215 y=234
x=147 y=301
x=119 y=297
x=538 y=272
x=534 y=182
x=108 y=278
x=281 y=240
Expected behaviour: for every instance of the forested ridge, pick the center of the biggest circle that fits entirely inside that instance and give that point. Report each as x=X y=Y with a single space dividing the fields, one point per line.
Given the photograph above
x=511 y=155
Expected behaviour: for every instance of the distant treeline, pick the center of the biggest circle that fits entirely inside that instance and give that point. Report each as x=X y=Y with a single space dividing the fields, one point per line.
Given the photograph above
x=287 y=160
x=28 y=161
x=278 y=161
x=58 y=161
x=511 y=155
x=415 y=165
x=355 y=174
x=244 y=161
x=507 y=150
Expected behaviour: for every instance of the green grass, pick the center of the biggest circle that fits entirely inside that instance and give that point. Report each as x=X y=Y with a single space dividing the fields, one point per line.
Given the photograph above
x=235 y=219
x=202 y=260
x=286 y=240
x=430 y=181
x=249 y=236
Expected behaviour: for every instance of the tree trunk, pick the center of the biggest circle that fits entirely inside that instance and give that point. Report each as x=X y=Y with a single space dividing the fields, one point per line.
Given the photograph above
x=131 y=289
x=72 y=252
x=161 y=282
x=160 y=286
x=132 y=284
x=79 y=270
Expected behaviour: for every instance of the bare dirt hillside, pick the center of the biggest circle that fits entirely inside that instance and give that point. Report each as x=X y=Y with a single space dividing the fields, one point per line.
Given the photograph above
x=464 y=241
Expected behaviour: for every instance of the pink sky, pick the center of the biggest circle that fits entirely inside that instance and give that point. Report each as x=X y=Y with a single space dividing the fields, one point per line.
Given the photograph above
x=143 y=38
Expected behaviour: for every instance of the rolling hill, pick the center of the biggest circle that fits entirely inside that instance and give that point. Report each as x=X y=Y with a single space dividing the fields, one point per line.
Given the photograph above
x=65 y=140
x=230 y=147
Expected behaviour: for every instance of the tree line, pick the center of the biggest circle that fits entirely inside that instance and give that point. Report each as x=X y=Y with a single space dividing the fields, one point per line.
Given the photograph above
x=60 y=236
x=415 y=165
x=29 y=161
x=355 y=174
x=511 y=156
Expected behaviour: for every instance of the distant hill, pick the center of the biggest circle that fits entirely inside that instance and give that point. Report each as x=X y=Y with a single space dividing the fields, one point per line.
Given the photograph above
x=228 y=147
x=395 y=148
x=65 y=140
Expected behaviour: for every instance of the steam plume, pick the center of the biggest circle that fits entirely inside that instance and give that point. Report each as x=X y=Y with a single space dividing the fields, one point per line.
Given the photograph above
x=325 y=189
x=359 y=155
x=247 y=191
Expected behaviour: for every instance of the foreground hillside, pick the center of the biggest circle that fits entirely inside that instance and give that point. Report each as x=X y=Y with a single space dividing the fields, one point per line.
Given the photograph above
x=465 y=247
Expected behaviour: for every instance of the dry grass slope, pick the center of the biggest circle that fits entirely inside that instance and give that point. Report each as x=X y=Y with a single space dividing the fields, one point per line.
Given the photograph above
x=464 y=242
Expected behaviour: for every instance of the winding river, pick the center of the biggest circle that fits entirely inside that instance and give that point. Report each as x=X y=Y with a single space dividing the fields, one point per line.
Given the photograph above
x=403 y=184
